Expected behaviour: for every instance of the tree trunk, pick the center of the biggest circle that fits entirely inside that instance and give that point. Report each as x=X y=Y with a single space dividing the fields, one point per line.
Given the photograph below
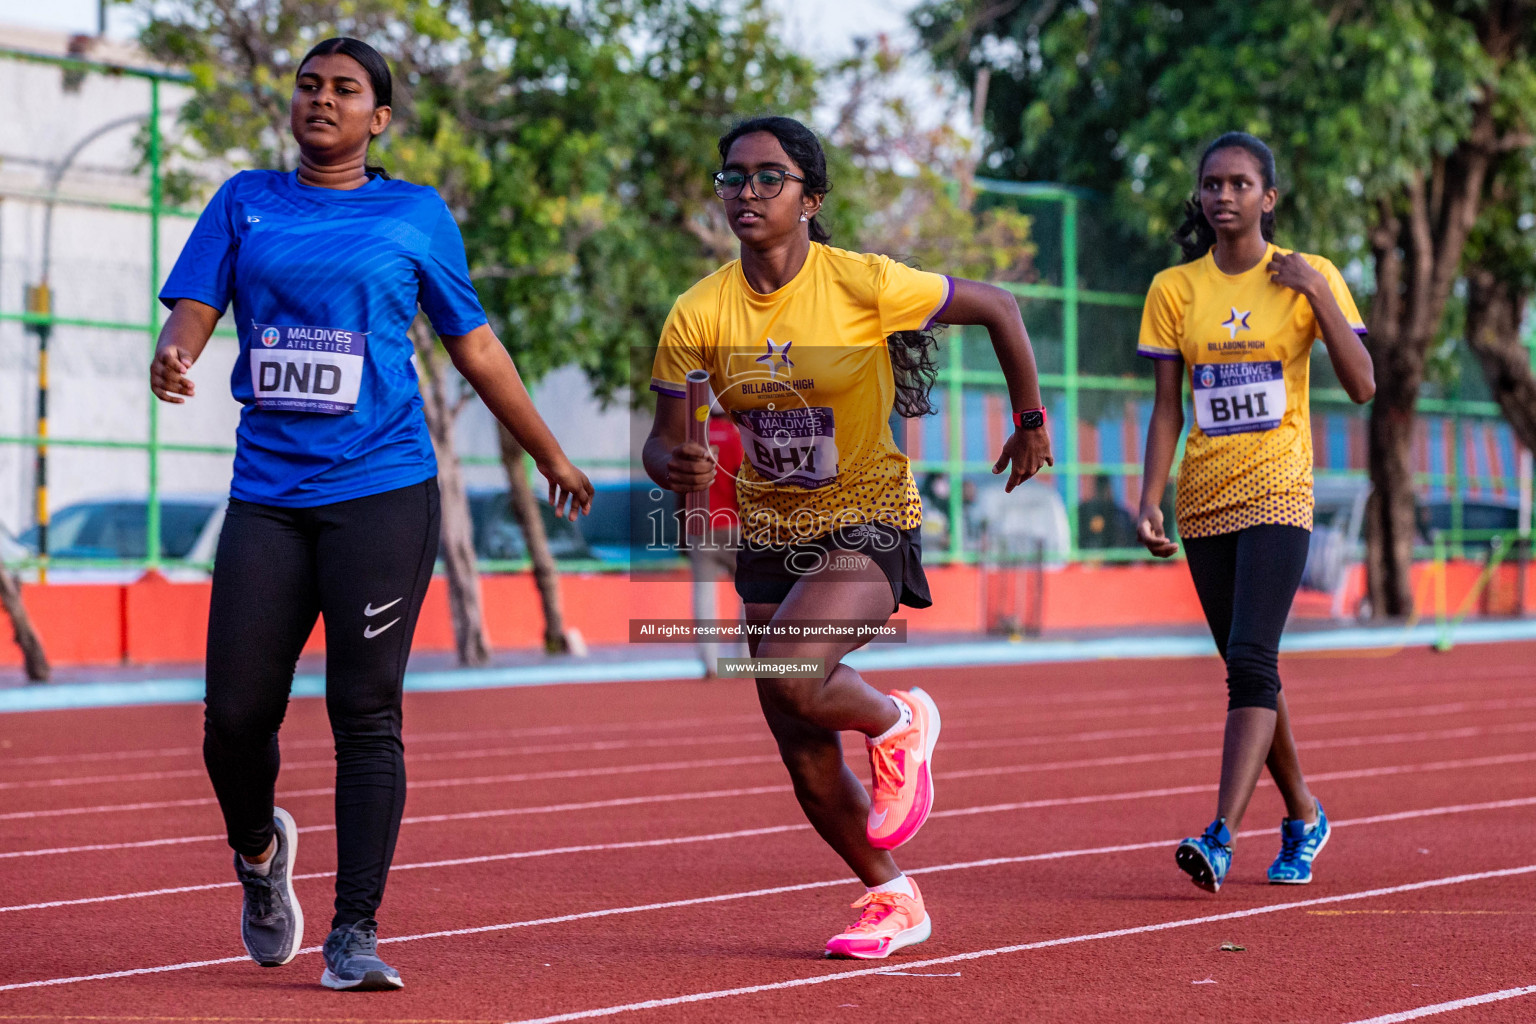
x=1418 y=243
x=33 y=656
x=1494 y=312
x=1390 y=527
x=458 y=531
x=525 y=509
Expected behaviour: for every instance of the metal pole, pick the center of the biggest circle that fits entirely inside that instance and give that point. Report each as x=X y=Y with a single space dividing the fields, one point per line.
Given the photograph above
x=152 y=525
x=1457 y=519
x=40 y=303
x=954 y=396
x=1069 y=363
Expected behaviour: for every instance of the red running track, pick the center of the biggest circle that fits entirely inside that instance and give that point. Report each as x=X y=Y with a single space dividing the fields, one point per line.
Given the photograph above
x=631 y=852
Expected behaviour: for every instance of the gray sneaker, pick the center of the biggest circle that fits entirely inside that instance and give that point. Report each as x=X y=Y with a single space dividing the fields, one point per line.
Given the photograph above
x=271 y=921
x=352 y=960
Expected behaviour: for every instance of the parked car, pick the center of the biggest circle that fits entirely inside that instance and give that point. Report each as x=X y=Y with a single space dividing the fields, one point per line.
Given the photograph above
x=1338 y=519
x=1436 y=515
x=116 y=529
x=1338 y=532
x=11 y=549
x=499 y=538
x=632 y=521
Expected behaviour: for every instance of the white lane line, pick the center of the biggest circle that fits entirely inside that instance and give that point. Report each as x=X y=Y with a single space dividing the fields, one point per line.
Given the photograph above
x=1395 y=816
x=1356 y=773
x=1330 y=695
x=1454 y=1004
x=526 y=732
x=447 y=783
x=813 y=980
x=761 y=738
x=609 y=770
x=1180 y=755
x=822 y=979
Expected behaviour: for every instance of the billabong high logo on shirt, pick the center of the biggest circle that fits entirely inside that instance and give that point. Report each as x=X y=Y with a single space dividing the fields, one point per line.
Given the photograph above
x=1237 y=322
x=777 y=355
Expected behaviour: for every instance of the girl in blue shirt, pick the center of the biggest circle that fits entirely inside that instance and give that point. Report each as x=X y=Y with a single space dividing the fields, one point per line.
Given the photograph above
x=334 y=505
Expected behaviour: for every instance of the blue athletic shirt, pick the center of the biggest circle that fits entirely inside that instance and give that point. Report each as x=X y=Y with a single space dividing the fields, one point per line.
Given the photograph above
x=325 y=283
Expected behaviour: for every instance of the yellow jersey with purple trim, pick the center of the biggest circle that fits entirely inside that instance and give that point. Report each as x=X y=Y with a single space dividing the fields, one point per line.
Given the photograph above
x=805 y=375
x=1247 y=344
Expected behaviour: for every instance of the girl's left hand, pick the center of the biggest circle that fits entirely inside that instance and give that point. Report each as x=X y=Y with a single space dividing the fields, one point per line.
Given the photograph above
x=570 y=492
x=1029 y=451
x=1291 y=270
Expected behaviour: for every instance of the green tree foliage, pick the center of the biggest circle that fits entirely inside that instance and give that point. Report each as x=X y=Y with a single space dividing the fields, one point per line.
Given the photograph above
x=1393 y=123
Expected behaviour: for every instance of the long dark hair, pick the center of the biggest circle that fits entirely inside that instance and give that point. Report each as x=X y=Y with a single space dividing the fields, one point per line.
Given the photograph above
x=372 y=61
x=912 y=352
x=1196 y=236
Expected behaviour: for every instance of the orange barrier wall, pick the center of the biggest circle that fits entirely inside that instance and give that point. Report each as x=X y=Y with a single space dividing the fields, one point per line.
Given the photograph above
x=153 y=620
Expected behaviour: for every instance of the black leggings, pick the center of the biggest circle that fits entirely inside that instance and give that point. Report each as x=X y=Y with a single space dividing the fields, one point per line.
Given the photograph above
x=364 y=564
x=1246 y=582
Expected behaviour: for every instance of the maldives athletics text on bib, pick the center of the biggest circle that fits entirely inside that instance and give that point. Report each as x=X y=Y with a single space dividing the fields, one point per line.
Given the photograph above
x=307 y=369
x=791 y=447
x=1238 y=398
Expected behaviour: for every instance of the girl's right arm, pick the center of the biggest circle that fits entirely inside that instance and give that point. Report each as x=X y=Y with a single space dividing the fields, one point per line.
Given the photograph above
x=1162 y=443
x=182 y=340
x=670 y=458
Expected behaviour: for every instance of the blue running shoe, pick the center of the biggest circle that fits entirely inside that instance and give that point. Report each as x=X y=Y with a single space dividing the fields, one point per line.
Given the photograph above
x=1299 y=846
x=352 y=961
x=271 y=920
x=1206 y=858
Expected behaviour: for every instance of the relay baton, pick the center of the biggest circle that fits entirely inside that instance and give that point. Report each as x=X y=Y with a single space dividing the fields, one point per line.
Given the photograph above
x=696 y=510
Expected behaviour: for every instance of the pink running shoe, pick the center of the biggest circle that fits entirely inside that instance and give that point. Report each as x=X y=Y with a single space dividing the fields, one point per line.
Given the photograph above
x=891 y=921
x=903 y=780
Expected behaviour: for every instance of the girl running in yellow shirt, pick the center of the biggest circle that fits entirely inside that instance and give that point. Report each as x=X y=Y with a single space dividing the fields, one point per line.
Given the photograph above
x=794 y=336
x=1242 y=313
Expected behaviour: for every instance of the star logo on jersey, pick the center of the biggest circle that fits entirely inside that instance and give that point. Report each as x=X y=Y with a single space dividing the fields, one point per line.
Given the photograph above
x=1236 y=322
x=777 y=354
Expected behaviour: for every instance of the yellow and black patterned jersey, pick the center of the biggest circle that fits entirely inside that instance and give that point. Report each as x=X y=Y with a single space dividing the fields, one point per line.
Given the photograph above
x=1247 y=343
x=806 y=376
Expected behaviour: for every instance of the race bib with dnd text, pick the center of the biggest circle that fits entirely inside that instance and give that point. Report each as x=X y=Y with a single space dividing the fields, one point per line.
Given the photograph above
x=307 y=369
x=792 y=447
x=1238 y=398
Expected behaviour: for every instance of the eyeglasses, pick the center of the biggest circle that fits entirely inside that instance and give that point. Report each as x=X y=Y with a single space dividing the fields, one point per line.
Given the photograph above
x=765 y=184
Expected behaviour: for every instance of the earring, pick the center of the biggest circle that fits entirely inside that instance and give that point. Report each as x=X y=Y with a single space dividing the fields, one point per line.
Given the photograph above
x=803 y=218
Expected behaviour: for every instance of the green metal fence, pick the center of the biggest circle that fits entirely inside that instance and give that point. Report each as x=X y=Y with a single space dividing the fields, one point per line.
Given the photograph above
x=1082 y=313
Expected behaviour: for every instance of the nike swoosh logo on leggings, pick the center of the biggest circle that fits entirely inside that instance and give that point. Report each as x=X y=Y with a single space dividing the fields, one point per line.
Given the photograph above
x=369 y=633
x=370 y=611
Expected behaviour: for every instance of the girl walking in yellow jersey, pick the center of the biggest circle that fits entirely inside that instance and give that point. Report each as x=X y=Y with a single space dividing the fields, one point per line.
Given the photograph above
x=1242 y=314
x=799 y=341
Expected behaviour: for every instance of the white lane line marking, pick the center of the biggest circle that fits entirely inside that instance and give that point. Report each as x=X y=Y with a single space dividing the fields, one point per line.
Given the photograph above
x=1466 y=732
x=711 y=837
x=821 y=979
x=776 y=890
x=448 y=783
x=1455 y=1004
x=410 y=738
x=1331 y=695
x=737 y=739
x=633 y=801
x=1179 y=755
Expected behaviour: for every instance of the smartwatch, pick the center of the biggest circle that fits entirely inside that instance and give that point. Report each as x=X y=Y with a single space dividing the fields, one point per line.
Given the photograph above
x=1029 y=419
